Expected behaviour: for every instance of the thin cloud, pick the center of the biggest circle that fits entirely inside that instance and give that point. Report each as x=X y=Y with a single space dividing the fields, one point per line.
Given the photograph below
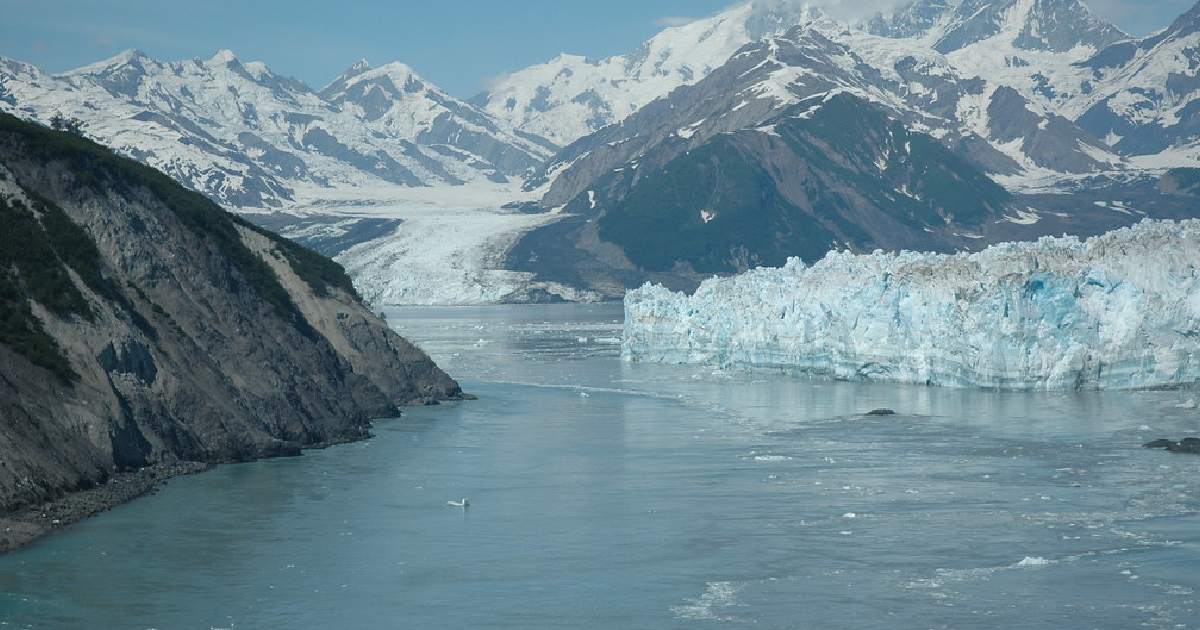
x=838 y=9
x=674 y=21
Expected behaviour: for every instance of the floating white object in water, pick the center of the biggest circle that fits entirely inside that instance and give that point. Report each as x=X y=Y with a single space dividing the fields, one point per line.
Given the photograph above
x=1033 y=561
x=584 y=395
x=849 y=515
x=462 y=503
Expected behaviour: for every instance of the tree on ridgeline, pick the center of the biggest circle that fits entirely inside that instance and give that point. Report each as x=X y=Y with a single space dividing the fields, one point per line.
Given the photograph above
x=70 y=125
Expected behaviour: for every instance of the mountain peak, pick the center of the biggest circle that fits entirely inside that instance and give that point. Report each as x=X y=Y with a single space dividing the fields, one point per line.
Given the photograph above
x=359 y=67
x=912 y=20
x=770 y=17
x=396 y=68
x=128 y=55
x=1060 y=25
x=123 y=58
x=223 y=57
x=12 y=68
x=399 y=73
x=1047 y=25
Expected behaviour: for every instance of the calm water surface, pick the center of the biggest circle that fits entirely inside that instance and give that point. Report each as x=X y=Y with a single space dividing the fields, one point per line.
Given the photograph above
x=610 y=495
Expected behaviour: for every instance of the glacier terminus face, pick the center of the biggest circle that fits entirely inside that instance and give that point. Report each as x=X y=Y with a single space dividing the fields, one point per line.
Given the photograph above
x=1117 y=311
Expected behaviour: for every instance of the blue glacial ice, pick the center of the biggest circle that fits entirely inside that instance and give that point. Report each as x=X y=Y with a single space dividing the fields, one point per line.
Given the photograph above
x=1116 y=311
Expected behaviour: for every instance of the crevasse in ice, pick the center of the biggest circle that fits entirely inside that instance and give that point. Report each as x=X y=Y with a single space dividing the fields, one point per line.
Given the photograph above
x=1117 y=311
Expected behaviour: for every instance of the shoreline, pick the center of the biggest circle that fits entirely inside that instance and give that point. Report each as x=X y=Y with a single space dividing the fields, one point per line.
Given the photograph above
x=23 y=527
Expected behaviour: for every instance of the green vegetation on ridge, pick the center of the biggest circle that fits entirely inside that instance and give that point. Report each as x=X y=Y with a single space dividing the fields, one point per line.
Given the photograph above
x=38 y=245
x=96 y=167
x=34 y=260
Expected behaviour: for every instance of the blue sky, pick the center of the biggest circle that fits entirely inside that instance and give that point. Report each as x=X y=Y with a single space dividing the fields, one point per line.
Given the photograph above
x=458 y=44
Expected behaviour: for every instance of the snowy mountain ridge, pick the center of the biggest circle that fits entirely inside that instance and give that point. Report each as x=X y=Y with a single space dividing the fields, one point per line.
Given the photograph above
x=572 y=96
x=1144 y=95
x=249 y=138
x=1138 y=97
x=1018 y=140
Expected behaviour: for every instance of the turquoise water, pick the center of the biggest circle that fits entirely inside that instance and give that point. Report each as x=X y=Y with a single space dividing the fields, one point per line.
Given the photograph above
x=610 y=495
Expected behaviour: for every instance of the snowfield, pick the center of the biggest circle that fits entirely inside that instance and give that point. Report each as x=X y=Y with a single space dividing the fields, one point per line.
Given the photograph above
x=446 y=256
x=1117 y=311
x=448 y=248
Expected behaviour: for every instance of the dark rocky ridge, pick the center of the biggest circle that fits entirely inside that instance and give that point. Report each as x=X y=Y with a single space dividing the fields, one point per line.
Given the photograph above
x=142 y=327
x=828 y=172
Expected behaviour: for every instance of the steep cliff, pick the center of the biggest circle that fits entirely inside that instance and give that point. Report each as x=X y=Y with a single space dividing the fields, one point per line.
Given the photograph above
x=142 y=326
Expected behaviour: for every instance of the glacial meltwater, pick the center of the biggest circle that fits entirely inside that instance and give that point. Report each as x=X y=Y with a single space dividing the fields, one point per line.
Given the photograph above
x=605 y=494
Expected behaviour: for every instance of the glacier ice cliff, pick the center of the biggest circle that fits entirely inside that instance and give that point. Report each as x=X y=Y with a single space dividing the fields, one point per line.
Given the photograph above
x=1116 y=311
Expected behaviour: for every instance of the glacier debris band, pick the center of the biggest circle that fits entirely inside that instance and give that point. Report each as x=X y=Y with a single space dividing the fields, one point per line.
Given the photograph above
x=1116 y=311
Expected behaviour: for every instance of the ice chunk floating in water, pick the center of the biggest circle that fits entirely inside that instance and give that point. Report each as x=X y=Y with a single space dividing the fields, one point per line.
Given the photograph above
x=1117 y=311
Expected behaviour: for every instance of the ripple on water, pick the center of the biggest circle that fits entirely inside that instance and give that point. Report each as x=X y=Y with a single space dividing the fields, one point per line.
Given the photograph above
x=712 y=605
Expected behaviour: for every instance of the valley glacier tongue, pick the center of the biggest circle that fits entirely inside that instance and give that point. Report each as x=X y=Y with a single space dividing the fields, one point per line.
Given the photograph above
x=1117 y=311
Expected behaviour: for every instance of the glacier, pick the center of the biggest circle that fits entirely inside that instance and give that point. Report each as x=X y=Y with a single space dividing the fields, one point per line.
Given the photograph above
x=1116 y=311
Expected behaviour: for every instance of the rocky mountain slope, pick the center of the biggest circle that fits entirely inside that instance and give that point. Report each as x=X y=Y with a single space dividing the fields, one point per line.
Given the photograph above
x=249 y=138
x=1135 y=96
x=1143 y=95
x=144 y=326
x=833 y=172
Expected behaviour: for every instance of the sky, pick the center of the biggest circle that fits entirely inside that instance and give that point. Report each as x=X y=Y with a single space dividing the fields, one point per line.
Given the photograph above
x=460 y=45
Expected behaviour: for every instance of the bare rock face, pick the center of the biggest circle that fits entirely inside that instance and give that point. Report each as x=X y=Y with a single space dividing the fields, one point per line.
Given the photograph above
x=141 y=326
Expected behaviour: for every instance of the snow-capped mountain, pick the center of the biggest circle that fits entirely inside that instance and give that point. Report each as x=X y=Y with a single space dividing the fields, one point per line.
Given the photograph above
x=730 y=173
x=995 y=125
x=395 y=100
x=1137 y=96
x=1000 y=103
x=1143 y=96
x=572 y=96
x=1058 y=26
x=1027 y=54
x=249 y=138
